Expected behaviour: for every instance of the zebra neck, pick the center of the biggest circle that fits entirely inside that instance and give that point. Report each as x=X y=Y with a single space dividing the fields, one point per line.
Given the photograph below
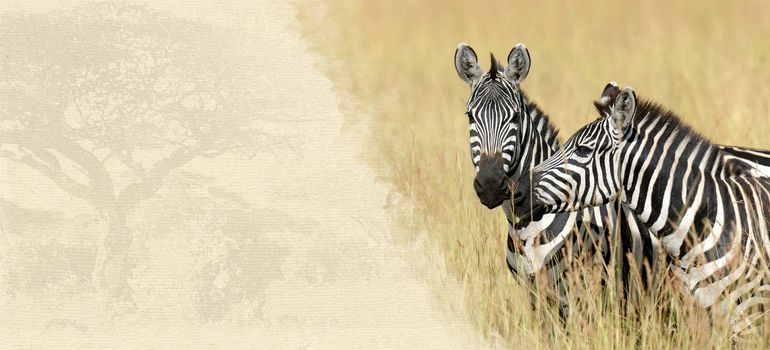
x=539 y=139
x=665 y=174
x=538 y=142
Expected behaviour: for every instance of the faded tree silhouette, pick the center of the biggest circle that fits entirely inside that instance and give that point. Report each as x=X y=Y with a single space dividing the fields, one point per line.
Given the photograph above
x=107 y=100
x=210 y=247
x=202 y=253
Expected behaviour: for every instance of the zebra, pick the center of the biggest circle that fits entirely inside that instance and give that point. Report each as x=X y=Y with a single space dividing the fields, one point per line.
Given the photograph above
x=513 y=136
x=508 y=136
x=710 y=213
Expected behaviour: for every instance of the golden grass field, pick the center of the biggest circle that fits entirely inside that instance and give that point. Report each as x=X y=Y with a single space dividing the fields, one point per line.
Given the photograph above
x=708 y=61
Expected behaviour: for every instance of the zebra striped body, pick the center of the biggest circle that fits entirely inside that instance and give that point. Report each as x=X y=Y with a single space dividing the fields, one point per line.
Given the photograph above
x=709 y=211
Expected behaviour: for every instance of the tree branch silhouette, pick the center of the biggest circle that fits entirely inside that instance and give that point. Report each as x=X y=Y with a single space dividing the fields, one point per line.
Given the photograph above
x=52 y=171
x=160 y=170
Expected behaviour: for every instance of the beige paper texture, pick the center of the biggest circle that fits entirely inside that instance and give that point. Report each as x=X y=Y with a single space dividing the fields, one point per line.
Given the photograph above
x=177 y=175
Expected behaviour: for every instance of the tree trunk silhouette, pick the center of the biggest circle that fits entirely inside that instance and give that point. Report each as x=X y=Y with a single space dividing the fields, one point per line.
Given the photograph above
x=112 y=268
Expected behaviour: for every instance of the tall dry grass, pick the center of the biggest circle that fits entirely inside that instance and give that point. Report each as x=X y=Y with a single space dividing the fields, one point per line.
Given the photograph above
x=709 y=61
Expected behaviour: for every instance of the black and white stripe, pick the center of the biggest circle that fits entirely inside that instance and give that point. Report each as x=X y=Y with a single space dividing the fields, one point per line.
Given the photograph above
x=504 y=122
x=709 y=209
x=758 y=160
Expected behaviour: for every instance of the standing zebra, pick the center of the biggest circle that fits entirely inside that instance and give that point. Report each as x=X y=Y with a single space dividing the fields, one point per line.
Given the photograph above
x=709 y=212
x=509 y=135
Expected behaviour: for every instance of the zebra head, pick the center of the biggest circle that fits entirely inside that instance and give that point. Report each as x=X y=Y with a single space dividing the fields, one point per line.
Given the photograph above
x=586 y=172
x=496 y=110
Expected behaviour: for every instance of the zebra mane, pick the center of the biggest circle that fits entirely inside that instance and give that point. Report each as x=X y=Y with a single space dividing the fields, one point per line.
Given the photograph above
x=542 y=123
x=494 y=66
x=671 y=122
x=649 y=109
x=668 y=119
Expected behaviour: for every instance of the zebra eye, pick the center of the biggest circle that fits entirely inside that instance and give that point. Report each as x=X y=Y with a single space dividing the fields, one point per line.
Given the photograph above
x=583 y=151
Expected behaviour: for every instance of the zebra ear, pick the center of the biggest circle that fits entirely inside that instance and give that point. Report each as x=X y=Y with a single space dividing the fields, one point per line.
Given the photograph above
x=624 y=107
x=518 y=64
x=467 y=64
x=611 y=90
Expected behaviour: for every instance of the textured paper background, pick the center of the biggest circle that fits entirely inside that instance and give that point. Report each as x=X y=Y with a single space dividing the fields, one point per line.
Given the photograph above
x=179 y=174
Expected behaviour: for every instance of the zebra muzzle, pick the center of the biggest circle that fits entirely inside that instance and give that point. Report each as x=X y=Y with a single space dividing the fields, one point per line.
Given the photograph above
x=491 y=183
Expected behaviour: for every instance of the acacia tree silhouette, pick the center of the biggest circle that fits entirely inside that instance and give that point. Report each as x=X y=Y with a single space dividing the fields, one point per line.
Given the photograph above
x=106 y=100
